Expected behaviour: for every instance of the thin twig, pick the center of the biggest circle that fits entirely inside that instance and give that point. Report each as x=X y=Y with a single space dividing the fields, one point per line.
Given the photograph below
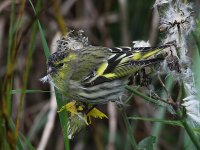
x=163 y=85
x=170 y=100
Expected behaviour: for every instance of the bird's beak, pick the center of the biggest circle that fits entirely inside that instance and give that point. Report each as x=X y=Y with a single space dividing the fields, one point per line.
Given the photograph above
x=49 y=70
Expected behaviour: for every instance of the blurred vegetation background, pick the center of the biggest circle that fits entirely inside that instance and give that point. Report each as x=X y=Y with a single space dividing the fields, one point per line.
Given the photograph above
x=25 y=101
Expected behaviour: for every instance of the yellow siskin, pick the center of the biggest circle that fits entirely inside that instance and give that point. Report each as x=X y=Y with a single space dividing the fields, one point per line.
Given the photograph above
x=95 y=74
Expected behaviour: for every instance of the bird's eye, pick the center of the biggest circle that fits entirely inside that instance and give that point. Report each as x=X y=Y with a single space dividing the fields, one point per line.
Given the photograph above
x=60 y=65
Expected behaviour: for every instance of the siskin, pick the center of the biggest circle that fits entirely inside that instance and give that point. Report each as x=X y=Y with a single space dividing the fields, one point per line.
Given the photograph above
x=95 y=74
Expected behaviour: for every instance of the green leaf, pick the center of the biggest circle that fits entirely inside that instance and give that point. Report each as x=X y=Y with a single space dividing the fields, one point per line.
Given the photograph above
x=147 y=143
x=26 y=141
x=160 y=114
x=196 y=36
x=44 y=42
x=20 y=143
x=169 y=122
x=197 y=130
x=129 y=129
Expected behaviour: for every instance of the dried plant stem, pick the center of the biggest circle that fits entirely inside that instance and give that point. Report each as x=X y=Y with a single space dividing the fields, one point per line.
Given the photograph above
x=59 y=18
x=154 y=26
x=124 y=21
x=50 y=122
x=7 y=82
x=112 y=125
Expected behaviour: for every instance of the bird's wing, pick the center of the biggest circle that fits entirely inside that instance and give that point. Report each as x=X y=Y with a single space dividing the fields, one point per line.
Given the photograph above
x=123 y=62
x=117 y=66
x=140 y=53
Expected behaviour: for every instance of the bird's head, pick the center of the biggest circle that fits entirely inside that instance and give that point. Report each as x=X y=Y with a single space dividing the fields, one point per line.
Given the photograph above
x=60 y=62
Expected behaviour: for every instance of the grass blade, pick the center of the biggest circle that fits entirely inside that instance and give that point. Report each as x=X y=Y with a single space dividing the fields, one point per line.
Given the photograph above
x=62 y=115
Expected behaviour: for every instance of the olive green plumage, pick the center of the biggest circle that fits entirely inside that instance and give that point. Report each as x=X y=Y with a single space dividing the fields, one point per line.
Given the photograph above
x=96 y=74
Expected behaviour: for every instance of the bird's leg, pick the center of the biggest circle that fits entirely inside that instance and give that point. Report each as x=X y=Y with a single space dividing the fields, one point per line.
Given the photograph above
x=92 y=107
